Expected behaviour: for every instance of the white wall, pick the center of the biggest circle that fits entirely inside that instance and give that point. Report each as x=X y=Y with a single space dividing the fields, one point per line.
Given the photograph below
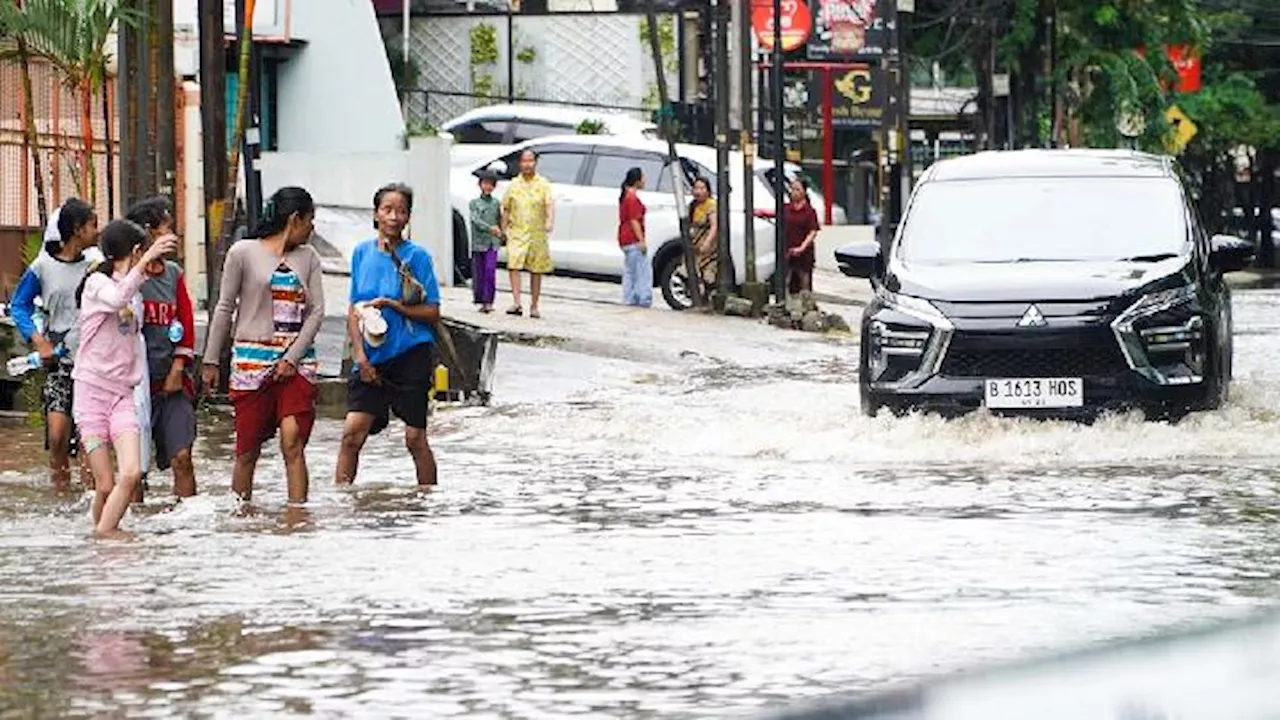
x=349 y=180
x=336 y=94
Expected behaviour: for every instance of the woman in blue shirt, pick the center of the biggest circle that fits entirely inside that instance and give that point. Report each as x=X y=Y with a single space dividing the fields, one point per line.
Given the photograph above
x=395 y=301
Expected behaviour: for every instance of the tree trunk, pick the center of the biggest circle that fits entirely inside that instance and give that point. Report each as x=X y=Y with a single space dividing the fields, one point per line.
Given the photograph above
x=245 y=36
x=109 y=137
x=89 y=181
x=31 y=136
x=213 y=130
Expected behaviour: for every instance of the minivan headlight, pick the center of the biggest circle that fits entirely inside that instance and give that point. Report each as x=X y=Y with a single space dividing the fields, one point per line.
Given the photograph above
x=1162 y=336
x=906 y=350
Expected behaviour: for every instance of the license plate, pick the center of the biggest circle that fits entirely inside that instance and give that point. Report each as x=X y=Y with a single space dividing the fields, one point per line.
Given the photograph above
x=1018 y=393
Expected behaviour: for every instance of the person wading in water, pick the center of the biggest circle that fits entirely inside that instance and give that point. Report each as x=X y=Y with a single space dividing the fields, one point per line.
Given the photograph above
x=395 y=301
x=271 y=283
x=53 y=277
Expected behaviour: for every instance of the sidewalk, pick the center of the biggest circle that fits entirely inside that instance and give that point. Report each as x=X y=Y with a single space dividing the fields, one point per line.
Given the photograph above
x=588 y=317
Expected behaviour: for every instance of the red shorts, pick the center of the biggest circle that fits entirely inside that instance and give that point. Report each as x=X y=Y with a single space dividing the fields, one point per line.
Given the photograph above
x=259 y=412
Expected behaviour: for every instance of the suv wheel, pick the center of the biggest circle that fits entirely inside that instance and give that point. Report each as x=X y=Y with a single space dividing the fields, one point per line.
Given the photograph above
x=674 y=281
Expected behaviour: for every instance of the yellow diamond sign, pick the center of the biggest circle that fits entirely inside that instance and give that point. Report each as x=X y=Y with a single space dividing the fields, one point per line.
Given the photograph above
x=1182 y=129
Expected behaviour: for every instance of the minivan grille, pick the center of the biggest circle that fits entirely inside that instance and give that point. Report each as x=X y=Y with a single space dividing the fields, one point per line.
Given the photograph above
x=967 y=360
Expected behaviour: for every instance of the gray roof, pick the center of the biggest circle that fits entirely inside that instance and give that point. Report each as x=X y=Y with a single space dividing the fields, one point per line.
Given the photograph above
x=1051 y=163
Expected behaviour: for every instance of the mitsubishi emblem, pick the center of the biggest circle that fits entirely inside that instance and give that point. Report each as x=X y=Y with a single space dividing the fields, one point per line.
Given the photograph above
x=1032 y=318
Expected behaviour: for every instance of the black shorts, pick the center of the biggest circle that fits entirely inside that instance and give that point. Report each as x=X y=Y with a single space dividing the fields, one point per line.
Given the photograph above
x=173 y=425
x=405 y=389
x=57 y=395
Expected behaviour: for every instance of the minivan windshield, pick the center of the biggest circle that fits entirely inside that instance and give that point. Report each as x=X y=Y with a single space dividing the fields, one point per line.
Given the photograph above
x=1045 y=219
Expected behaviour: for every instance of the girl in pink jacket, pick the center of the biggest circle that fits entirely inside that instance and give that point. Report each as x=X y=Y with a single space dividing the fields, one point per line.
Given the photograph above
x=109 y=366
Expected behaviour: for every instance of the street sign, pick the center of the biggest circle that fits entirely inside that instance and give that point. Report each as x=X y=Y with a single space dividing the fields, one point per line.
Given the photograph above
x=1000 y=84
x=851 y=30
x=1183 y=129
x=797 y=23
x=859 y=96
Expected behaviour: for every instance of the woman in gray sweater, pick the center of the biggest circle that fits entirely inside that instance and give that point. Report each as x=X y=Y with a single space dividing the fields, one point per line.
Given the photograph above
x=272 y=283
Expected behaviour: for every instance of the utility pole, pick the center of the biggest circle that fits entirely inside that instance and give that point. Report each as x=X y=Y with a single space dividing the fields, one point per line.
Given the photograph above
x=753 y=290
x=724 y=261
x=673 y=160
x=213 y=128
x=252 y=141
x=167 y=151
x=129 y=82
x=905 y=8
x=779 y=160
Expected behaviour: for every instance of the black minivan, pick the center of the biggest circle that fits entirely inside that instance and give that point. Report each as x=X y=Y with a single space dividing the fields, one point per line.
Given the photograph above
x=1052 y=282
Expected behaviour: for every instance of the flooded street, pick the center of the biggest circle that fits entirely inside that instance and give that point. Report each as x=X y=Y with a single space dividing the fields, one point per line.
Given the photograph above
x=622 y=539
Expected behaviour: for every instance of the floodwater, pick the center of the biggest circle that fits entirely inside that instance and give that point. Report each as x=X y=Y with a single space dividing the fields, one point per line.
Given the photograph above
x=622 y=540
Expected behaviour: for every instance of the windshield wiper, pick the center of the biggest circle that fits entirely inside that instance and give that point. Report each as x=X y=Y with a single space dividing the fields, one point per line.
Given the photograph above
x=1156 y=257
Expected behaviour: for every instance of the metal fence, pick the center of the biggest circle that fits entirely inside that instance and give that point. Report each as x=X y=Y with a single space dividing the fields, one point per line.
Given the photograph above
x=58 y=115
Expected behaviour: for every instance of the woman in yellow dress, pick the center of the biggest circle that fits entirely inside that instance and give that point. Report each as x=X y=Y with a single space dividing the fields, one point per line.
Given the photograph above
x=528 y=217
x=703 y=229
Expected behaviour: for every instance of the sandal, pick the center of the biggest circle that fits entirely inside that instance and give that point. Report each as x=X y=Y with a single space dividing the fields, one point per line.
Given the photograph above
x=516 y=311
x=535 y=314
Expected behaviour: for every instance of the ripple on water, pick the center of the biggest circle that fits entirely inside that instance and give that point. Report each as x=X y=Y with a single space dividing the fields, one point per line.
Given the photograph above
x=651 y=545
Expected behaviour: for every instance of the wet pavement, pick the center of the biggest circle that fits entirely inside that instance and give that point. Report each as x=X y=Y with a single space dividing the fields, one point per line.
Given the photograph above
x=699 y=536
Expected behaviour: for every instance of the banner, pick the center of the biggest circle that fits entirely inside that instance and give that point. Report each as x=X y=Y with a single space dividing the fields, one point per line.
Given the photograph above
x=847 y=30
x=859 y=97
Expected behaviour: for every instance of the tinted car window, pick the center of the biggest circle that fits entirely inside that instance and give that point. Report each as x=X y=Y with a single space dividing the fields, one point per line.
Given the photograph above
x=610 y=170
x=527 y=130
x=490 y=132
x=558 y=166
x=1029 y=219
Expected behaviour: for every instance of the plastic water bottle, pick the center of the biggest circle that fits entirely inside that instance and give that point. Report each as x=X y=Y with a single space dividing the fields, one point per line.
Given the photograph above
x=23 y=364
x=176 y=332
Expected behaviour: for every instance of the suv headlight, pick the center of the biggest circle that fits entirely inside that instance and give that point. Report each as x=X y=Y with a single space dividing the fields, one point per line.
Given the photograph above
x=1162 y=336
x=906 y=341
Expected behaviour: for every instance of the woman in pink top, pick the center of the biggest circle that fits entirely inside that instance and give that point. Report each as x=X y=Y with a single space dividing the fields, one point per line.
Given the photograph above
x=109 y=366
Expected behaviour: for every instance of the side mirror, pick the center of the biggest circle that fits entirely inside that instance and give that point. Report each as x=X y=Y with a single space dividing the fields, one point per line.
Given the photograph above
x=1228 y=253
x=861 y=259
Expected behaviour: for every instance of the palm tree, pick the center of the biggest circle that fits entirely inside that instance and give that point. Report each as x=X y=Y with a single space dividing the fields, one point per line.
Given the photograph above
x=72 y=35
x=13 y=26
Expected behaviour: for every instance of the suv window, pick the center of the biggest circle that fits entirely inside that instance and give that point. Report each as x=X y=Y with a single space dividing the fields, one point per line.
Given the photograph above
x=481 y=132
x=531 y=130
x=610 y=170
x=559 y=165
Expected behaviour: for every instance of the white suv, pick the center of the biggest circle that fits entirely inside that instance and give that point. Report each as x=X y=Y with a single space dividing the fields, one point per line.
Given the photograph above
x=485 y=131
x=586 y=173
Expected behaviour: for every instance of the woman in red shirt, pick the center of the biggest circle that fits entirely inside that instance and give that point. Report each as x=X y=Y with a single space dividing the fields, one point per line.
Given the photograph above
x=637 y=272
x=800 y=224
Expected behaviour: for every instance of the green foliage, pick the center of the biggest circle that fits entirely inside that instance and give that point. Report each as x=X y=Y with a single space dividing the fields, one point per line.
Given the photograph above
x=420 y=128
x=666 y=42
x=591 y=126
x=31 y=248
x=527 y=55
x=417 y=129
x=1098 y=67
x=70 y=34
x=484 y=56
x=484 y=44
